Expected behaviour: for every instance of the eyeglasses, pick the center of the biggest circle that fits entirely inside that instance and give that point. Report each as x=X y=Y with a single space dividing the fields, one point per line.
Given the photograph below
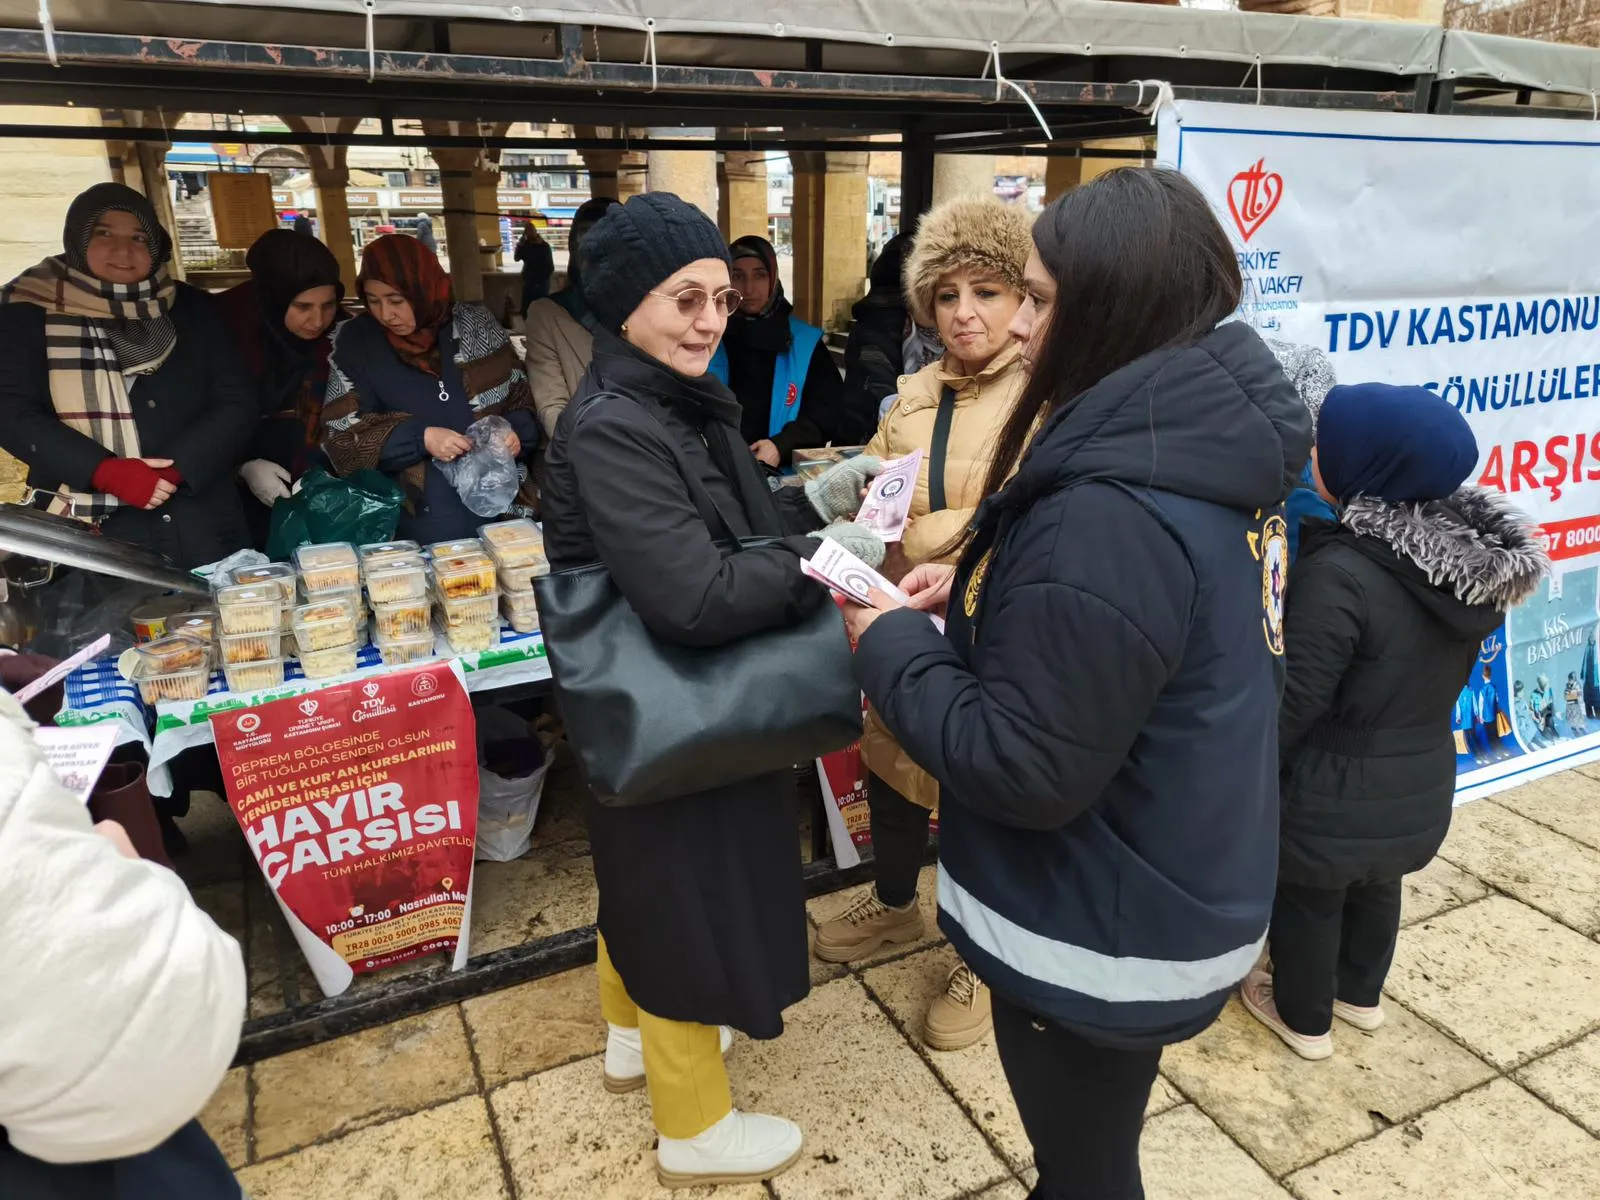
x=692 y=301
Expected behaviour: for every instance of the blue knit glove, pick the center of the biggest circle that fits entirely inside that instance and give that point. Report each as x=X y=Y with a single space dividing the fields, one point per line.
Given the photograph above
x=858 y=539
x=836 y=493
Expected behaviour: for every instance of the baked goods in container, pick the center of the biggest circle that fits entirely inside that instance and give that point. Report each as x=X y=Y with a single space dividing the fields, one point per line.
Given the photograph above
x=250 y=647
x=175 y=652
x=520 y=579
x=464 y=575
x=470 y=610
x=521 y=610
x=438 y=550
x=514 y=543
x=324 y=624
x=402 y=618
x=280 y=575
x=381 y=554
x=249 y=608
x=328 y=567
x=201 y=625
x=334 y=660
x=416 y=647
x=191 y=683
x=252 y=677
x=397 y=581
x=474 y=638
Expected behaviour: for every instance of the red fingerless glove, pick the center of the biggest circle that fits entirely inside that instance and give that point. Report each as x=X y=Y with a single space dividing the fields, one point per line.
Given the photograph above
x=130 y=480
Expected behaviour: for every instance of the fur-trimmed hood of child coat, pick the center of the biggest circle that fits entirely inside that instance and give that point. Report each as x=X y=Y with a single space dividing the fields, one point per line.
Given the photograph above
x=1387 y=613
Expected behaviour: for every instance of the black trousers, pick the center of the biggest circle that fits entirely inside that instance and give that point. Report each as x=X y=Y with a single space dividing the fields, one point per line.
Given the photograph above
x=1328 y=944
x=899 y=842
x=1082 y=1105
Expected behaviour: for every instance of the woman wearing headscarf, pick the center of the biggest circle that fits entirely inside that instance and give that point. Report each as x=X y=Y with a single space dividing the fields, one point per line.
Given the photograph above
x=408 y=377
x=702 y=910
x=123 y=392
x=559 y=343
x=282 y=318
x=791 y=396
x=964 y=277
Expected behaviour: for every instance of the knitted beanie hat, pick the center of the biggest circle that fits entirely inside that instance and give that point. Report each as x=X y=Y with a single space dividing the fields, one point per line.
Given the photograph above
x=637 y=246
x=966 y=234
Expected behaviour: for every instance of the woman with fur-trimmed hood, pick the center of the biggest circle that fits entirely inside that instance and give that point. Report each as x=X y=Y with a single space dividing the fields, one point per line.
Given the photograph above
x=1385 y=616
x=963 y=276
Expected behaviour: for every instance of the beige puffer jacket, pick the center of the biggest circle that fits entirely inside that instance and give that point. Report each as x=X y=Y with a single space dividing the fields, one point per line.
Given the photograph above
x=983 y=402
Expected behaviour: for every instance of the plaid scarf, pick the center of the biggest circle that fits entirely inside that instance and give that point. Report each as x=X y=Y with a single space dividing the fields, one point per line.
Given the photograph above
x=95 y=333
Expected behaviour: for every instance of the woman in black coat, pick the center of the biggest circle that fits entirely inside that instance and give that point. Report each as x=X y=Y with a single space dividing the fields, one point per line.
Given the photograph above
x=1386 y=613
x=139 y=414
x=702 y=915
x=1100 y=709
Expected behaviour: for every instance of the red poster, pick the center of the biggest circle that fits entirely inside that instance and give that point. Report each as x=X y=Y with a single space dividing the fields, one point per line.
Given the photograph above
x=360 y=803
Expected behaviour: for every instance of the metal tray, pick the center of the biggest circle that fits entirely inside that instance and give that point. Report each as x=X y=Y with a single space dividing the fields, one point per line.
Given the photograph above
x=61 y=540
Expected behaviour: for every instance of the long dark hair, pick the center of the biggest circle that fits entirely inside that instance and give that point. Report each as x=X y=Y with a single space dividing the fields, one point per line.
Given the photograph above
x=1141 y=264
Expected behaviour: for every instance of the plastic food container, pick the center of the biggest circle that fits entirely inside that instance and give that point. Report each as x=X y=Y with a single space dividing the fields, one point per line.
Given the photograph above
x=175 y=652
x=250 y=647
x=323 y=625
x=470 y=610
x=328 y=567
x=189 y=683
x=464 y=575
x=473 y=639
x=351 y=598
x=402 y=618
x=450 y=549
x=252 y=677
x=520 y=610
x=150 y=621
x=514 y=543
x=397 y=581
x=379 y=554
x=334 y=660
x=280 y=575
x=250 y=608
x=202 y=625
x=416 y=647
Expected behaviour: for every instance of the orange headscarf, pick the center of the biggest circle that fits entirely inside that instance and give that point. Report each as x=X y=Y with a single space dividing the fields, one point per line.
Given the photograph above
x=411 y=269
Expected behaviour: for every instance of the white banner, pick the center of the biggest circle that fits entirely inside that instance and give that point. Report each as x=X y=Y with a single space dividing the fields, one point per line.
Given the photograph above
x=1461 y=254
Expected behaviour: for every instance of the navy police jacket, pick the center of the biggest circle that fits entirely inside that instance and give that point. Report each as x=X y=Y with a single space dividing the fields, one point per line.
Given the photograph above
x=1102 y=711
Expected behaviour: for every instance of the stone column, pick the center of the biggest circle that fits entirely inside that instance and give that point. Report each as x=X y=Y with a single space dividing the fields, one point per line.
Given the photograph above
x=486 y=204
x=1061 y=175
x=460 y=190
x=333 y=220
x=691 y=174
x=962 y=175
x=603 y=167
x=39 y=178
x=742 y=195
x=1093 y=168
x=830 y=234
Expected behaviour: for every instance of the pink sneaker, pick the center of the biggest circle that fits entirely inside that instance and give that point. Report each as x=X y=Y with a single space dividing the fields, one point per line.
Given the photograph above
x=1256 y=993
x=1366 y=1019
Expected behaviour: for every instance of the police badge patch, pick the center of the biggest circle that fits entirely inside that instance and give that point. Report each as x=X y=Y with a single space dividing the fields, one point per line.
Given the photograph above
x=1271 y=546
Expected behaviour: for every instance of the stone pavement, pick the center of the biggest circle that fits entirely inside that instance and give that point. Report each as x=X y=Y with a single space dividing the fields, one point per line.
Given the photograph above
x=1484 y=1084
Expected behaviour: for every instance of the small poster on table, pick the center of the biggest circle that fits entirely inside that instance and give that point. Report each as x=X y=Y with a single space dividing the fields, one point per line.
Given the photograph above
x=359 y=802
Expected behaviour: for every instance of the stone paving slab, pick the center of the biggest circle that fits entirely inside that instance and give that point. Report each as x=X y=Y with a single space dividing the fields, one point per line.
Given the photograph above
x=1570 y=1080
x=536 y=1026
x=1288 y=1112
x=1186 y=1156
x=444 y=1153
x=1524 y=859
x=364 y=1079
x=1568 y=803
x=227 y=1117
x=1502 y=978
x=1438 y=888
x=1497 y=1143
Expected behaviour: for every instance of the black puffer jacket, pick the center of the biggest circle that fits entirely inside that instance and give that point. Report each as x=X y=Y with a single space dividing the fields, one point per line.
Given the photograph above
x=1386 y=612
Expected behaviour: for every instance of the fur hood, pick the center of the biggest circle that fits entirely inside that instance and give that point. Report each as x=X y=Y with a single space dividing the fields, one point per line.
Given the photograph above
x=1476 y=545
x=981 y=232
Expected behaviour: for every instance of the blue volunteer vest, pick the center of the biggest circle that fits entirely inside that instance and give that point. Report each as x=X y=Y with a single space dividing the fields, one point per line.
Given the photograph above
x=788 y=373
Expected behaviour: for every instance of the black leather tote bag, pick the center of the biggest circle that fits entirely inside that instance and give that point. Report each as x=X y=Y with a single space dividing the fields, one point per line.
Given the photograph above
x=651 y=720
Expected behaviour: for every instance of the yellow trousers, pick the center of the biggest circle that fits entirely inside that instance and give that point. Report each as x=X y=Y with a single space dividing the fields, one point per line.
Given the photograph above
x=683 y=1065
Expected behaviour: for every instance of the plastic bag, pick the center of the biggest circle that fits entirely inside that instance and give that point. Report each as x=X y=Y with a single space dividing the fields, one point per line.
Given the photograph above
x=512 y=765
x=361 y=507
x=485 y=477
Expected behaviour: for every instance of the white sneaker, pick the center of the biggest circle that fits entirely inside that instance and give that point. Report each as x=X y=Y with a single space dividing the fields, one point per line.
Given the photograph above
x=740 y=1148
x=624 y=1070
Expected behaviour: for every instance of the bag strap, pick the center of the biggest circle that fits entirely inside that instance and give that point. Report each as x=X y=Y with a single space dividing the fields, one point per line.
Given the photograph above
x=940 y=449
x=716 y=521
